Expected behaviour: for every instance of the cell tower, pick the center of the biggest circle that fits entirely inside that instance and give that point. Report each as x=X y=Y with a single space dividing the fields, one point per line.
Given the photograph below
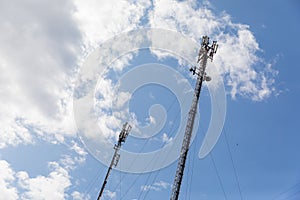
x=122 y=137
x=206 y=52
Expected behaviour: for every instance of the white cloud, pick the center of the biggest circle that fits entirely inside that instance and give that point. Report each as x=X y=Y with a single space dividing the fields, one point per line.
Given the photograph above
x=183 y=16
x=55 y=185
x=99 y=20
x=121 y=99
x=7 y=178
x=109 y=194
x=78 y=196
x=111 y=110
x=13 y=132
x=157 y=186
x=38 y=56
x=40 y=48
x=245 y=73
x=70 y=162
x=52 y=186
x=78 y=149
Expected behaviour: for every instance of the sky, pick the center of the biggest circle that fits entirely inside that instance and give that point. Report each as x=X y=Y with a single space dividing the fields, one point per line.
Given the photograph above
x=73 y=72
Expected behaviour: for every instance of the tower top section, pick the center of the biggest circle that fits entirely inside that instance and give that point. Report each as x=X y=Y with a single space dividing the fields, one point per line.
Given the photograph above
x=205 y=48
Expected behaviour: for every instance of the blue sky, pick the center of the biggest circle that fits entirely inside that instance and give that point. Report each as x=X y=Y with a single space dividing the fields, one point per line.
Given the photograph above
x=46 y=57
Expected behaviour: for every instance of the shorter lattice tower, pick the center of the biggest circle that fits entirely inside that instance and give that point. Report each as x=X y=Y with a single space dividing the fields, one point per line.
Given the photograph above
x=122 y=137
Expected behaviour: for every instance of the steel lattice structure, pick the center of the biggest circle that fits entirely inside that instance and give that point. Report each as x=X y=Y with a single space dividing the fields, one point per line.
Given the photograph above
x=122 y=137
x=206 y=52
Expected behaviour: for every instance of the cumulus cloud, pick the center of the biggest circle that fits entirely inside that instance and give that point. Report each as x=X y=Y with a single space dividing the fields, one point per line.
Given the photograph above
x=100 y=20
x=40 y=50
x=237 y=61
x=38 y=55
x=55 y=185
x=246 y=73
x=52 y=186
x=7 y=178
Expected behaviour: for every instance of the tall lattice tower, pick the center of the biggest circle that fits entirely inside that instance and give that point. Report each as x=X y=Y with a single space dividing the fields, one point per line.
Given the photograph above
x=206 y=52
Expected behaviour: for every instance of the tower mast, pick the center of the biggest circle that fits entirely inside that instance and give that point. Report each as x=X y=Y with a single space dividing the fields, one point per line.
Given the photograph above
x=122 y=137
x=206 y=52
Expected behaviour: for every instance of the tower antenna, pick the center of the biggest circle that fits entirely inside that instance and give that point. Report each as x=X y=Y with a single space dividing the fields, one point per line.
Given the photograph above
x=122 y=137
x=206 y=52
